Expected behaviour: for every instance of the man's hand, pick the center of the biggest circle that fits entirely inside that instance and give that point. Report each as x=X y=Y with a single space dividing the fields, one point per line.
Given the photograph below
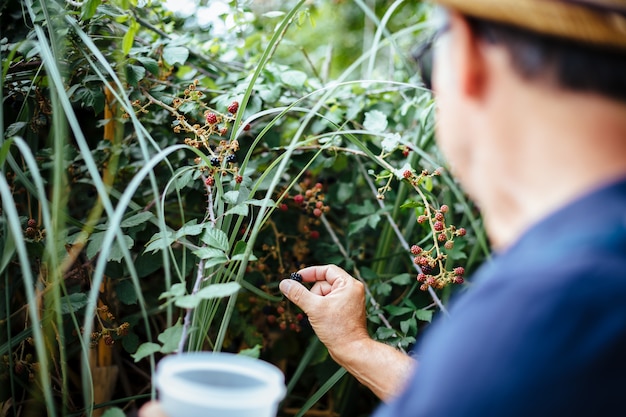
x=335 y=306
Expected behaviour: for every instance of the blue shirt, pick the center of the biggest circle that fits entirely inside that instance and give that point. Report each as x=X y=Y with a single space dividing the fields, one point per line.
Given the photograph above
x=541 y=331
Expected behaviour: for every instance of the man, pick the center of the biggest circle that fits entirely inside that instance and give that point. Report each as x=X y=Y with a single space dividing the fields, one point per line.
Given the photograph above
x=532 y=118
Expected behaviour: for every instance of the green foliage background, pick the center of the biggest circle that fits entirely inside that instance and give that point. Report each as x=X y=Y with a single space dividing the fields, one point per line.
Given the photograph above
x=132 y=228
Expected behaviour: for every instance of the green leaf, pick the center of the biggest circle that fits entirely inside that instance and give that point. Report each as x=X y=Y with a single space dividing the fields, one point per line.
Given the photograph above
x=14 y=129
x=89 y=8
x=176 y=290
x=375 y=121
x=209 y=253
x=130 y=342
x=129 y=37
x=254 y=352
x=218 y=290
x=408 y=326
x=134 y=74
x=402 y=279
x=175 y=54
x=115 y=254
x=190 y=229
x=216 y=238
x=207 y=293
x=151 y=64
x=114 y=412
x=294 y=78
x=171 y=338
x=424 y=315
x=210 y=263
x=158 y=242
x=145 y=349
x=73 y=302
x=398 y=311
x=125 y=292
x=238 y=210
x=137 y=219
x=231 y=197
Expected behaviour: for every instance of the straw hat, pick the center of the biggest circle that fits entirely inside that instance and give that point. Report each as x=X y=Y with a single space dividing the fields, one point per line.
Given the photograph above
x=600 y=22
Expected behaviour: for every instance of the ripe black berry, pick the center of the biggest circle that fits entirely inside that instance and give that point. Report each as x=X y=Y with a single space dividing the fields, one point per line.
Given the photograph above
x=296 y=276
x=231 y=158
x=215 y=161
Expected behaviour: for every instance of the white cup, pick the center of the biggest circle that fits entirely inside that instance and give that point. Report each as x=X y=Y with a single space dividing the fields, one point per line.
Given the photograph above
x=210 y=384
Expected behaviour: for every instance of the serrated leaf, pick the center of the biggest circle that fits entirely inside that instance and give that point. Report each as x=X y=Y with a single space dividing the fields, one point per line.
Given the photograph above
x=115 y=254
x=14 y=129
x=151 y=64
x=259 y=203
x=424 y=315
x=218 y=290
x=408 y=326
x=175 y=290
x=188 y=301
x=240 y=257
x=73 y=302
x=209 y=253
x=238 y=210
x=137 y=219
x=375 y=121
x=158 y=242
x=402 y=279
x=293 y=78
x=134 y=74
x=391 y=142
x=231 y=197
x=171 y=338
x=183 y=180
x=210 y=263
x=145 y=349
x=125 y=292
x=190 y=229
x=175 y=54
x=216 y=238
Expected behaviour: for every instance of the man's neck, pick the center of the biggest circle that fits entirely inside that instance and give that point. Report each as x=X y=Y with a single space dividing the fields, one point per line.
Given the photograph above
x=568 y=145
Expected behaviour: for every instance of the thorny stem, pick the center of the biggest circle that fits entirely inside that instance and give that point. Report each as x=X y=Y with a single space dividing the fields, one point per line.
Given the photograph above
x=403 y=241
x=357 y=274
x=199 y=274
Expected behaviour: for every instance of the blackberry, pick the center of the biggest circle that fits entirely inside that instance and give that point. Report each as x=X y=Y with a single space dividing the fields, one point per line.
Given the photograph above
x=233 y=107
x=211 y=118
x=231 y=158
x=215 y=161
x=295 y=276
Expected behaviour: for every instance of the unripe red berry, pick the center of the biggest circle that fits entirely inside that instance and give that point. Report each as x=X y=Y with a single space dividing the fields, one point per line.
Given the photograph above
x=442 y=237
x=317 y=212
x=444 y=208
x=223 y=131
x=283 y=325
x=30 y=232
x=246 y=127
x=407 y=174
x=210 y=181
x=461 y=232
x=211 y=118
x=438 y=226
x=298 y=199
x=459 y=280
x=318 y=185
x=284 y=207
x=238 y=179
x=271 y=319
x=439 y=216
x=233 y=107
x=314 y=234
x=416 y=250
x=280 y=310
x=406 y=151
x=421 y=219
x=32 y=223
x=459 y=270
x=421 y=277
x=449 y=244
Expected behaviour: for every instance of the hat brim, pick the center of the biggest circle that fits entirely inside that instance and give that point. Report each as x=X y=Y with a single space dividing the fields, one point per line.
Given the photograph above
x=556 y=18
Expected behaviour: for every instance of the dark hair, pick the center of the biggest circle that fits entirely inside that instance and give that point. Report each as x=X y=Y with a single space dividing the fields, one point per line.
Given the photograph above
x=569 y=64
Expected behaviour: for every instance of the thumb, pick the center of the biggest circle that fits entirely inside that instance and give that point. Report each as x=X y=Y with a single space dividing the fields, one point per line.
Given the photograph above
x=297 y=293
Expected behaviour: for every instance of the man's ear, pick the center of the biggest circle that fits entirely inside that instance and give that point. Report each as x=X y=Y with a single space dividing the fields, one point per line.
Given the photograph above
x=468 y=57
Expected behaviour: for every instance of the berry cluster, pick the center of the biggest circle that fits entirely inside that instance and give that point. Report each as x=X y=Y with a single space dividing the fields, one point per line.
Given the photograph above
x=108 y=333
x=32 y=231
x=431 y=263
x=283 y=318
x=23 y=364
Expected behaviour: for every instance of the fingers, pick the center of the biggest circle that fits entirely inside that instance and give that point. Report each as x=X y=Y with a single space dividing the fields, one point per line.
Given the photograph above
x=151 y=409
x=297 y=294
x=328 y=273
